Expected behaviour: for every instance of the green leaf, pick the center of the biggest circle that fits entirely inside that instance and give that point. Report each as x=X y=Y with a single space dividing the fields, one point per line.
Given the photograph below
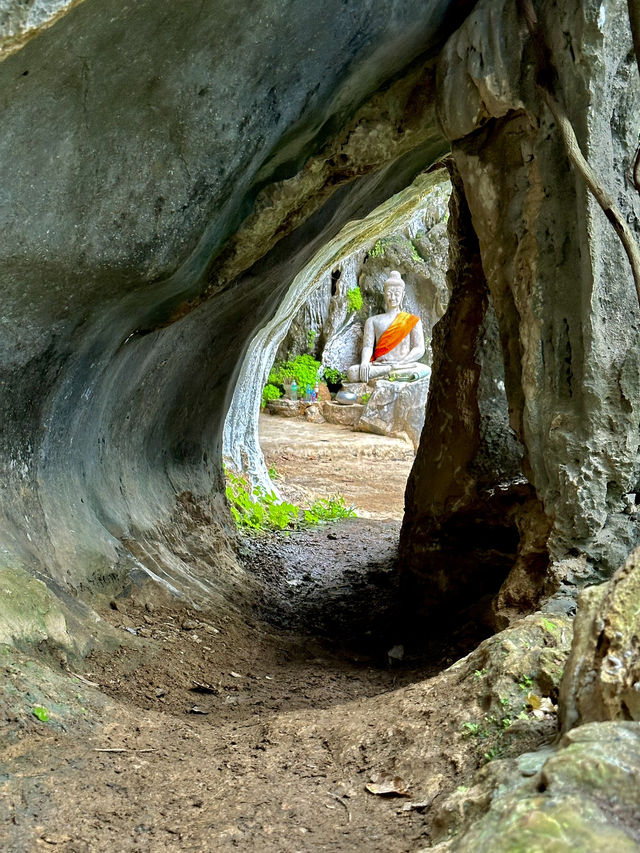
x=41 y=713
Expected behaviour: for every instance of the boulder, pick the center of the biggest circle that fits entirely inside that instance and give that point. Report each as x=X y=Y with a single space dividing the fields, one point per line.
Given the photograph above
x=335 y=413
x=602 y=676
x=396 y=408
x=582 y=797
x=313 y=413
x=286 y=408
x=343 y=349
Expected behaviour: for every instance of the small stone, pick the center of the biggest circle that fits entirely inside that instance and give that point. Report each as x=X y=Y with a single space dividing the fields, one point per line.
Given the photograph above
x=314 y=413
x=396 y=653
x=189 y=625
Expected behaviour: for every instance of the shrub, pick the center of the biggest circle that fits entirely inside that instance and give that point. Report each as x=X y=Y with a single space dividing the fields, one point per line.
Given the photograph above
x=303 y=368
x=354 y=299
x=270 y=392
x=262 y=510
x=328 y=509
x=333 y=377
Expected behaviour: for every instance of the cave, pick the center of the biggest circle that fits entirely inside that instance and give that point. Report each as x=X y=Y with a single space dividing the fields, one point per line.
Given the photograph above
x=173 y=180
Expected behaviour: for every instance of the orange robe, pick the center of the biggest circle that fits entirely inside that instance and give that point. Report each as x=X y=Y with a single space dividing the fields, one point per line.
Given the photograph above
x=396 y=332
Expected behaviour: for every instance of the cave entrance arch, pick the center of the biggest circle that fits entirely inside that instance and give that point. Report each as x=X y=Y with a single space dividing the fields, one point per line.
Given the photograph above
x=335 y=268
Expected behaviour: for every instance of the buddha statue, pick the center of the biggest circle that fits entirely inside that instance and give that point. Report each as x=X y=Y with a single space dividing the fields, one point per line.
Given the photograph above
x=393 y=342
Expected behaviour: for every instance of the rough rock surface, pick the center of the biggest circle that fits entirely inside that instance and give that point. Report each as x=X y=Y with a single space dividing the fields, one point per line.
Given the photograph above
x=582 y=796
x=460 y=534
x=602 y=676
x=345 y=415
x=561 y=288
x=568 y=315
x=396 y=408
x=286 y=408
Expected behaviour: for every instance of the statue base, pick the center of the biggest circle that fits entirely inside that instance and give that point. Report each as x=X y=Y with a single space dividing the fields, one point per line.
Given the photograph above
x=396 y=408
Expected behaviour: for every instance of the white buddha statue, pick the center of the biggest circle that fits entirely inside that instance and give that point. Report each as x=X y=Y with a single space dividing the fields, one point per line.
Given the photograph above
x=393 y=342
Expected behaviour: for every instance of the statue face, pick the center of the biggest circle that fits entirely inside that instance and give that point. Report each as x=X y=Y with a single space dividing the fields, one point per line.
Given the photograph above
x=393 y=294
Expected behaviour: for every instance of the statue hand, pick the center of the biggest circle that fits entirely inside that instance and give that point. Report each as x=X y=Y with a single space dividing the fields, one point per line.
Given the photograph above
x=364 y=371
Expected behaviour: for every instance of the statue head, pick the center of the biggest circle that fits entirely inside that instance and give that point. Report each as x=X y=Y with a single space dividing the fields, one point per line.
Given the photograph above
x=393 y=290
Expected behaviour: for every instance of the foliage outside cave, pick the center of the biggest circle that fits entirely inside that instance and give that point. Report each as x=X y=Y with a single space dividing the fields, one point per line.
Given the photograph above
x=259 y=510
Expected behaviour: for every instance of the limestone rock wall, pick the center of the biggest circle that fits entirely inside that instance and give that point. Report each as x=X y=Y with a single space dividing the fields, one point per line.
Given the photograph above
x=559 y=281
x=166 y=171
x=602 y=676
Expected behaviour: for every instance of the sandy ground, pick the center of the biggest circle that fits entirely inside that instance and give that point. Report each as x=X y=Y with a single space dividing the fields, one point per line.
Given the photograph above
x=321 y=460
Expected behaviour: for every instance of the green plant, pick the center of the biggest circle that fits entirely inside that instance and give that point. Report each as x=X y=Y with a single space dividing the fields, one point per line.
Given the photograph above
x=378 y=250
x=415 y=254
x=257 y=509
x=364 y=399
x=303 y=368
x=41 y=713
x=470 y=729
x=491 y=753
x=328 y=509
x=354 y=299
x=311 y=336
x=525 y=684
x=261 y=510
x=479 y=673
x=270 y=392
x=273 y=474
x=333 y=376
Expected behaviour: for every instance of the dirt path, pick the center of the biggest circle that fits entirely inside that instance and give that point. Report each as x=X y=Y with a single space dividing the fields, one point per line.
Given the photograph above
x=322 y=460
x=205 y=733
x=221 y=731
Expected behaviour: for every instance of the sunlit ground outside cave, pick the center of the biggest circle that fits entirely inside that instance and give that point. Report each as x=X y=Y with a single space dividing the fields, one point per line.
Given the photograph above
x=319 y=445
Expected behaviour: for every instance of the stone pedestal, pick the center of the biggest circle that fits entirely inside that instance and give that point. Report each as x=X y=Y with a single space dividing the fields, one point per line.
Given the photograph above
x=335 y=413
x=396 y=408
x=286 y=408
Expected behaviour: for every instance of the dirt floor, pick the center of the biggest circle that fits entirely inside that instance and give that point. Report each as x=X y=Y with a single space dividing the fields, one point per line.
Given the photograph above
x=220 y=731
x=321 y=460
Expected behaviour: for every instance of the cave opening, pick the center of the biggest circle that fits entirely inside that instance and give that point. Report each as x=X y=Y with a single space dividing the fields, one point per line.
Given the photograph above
x=175 y=177
x=297 y=452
